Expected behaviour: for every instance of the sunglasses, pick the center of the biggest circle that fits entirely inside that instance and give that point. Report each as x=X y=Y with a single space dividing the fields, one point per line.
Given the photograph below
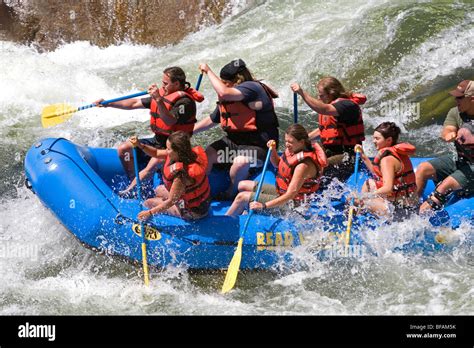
x=459 y=98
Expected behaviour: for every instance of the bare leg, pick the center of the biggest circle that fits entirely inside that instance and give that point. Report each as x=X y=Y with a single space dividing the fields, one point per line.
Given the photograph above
x=424 y=172
x=211 y=158
x=377 y=205
x=238 y=172
x=239 y=204
x=162 y=192
x=152 y=202
x=126 y=157
x=162 y=195
x=246 y=185
x=148 y=171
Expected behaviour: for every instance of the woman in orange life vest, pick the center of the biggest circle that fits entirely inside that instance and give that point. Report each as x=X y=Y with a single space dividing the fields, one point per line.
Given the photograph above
x=186 y=190
x=393 y=189
x=246 y=113
x=340 y=125
x=299 y=170
x=172 y=108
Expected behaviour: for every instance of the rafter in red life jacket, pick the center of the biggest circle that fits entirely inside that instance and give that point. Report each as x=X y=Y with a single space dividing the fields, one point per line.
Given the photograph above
x=287 y=166
x=334 y=132
x=404 y=182
x=159 y=126
x=236 y=116
x=199 y=190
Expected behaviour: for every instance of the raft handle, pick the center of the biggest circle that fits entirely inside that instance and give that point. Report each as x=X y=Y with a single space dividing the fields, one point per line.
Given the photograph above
x=120 y=219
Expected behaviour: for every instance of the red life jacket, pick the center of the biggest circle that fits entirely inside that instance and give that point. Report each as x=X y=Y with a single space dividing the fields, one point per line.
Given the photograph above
x=334 y=132
x=159 y=126
x=197 y=192
x=237 y=116
x=404 y=183
x=287 y=165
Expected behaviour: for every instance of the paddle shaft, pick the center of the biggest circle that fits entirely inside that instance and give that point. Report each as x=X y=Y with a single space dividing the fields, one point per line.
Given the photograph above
x=105 y=102
x=198 y=83
x=142 y=225
x=351 y=209
x=259 y=189
x=233 y=269
x=295 y=108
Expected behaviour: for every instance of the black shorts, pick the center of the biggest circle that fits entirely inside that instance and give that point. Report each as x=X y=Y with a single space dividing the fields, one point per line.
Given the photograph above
x=227 y=150
x=158 y=142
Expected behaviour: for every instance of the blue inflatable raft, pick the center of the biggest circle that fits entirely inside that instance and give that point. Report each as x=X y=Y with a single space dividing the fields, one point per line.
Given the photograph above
x=79 y=185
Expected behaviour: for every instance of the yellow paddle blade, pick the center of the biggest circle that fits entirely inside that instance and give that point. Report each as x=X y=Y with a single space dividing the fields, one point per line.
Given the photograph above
x=56 y=114
x=233 y=270
x=145 y=265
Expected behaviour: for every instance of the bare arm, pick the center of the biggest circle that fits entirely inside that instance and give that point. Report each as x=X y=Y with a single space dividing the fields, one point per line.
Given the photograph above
x=176 y=192
x=314 y=103
x=314 y=135
x=274 y=157
x=223 y=92
x=302 y=172
x=165 y=114
x=127 y=104
x=449 y=133
x=363 y=156
x=389 y=165
x=203 y=125
x=149 y=150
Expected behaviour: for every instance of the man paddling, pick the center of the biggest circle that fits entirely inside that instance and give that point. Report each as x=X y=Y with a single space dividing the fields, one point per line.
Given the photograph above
x=452 y=172
x=172 y=108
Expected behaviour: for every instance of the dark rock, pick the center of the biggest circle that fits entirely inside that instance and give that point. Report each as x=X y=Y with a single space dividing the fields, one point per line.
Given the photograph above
x=50 y=23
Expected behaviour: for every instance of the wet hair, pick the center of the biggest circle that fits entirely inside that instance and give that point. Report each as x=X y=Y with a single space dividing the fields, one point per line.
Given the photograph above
x=298 y=132
x=389 y=129
x=181 y=143
x=333 y=87
x=175 y=73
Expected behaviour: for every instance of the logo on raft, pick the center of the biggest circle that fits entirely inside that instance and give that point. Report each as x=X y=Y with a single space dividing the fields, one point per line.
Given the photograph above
x=151 y=233
x=273 y=240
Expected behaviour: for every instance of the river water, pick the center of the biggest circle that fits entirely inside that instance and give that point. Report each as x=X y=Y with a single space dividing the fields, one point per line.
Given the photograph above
x=396 y=52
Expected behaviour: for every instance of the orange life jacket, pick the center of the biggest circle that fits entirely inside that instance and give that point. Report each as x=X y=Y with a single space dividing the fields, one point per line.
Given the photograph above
x=237 y=116
x=404 y=183
x=159 y=126
x=287 y=165
x=334 y=132
x=197 y=192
